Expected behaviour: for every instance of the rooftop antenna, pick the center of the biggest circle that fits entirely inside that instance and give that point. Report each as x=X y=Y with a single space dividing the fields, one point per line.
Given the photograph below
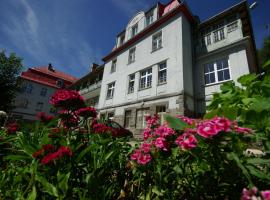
x=253 y=5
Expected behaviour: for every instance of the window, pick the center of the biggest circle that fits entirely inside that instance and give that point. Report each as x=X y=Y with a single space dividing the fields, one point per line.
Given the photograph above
x=110 y=90
x=43 y=92
x=219 y=35
x=121 y=40
x=113 y=66
x=162 y=73
x=60 y=83
x=131 y=55
x=29 y=88
x=146 y=78
x=131 y=82
x=39 y=106
x=140 y=117
x=161 y=110
x=231 y=27
x=127 y=118
x=149 y=18
x=157 y=41
x=207 y=39
x=217 y=71
x=134 y=30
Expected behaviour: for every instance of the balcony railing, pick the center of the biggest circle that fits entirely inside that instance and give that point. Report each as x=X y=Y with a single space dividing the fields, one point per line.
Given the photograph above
x=90 y=88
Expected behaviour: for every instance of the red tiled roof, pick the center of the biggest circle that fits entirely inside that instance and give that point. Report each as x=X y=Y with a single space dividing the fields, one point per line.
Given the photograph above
x=56 y=73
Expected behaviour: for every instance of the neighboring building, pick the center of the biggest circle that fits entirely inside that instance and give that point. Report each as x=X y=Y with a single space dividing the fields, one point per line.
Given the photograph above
x=37 y=86
x=89 y=85
x=166 y=61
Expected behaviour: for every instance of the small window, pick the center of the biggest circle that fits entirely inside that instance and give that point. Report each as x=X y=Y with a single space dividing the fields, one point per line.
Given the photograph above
x=39 y=106
x=131 y=82
x=127 y=118
x=60 y=83
x=149 y=18
x=232 y=27
x=131 y=55
x=146 y=78
x=219 y=35
x=207 y=39
x=113 y=66
x=162 y=73
x=43 y=92
x=217 y=71
x=29 y=88
x=140 y=118
x=161 y=109
x=157 y=41
x=110 y=90
x=134 y=30
x=121 y=39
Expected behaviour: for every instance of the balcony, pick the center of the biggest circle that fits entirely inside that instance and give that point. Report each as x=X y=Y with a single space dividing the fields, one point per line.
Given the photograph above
x=90 y=88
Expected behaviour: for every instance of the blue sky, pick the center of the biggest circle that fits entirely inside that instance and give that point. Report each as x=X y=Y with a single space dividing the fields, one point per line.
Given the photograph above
x=71 y=34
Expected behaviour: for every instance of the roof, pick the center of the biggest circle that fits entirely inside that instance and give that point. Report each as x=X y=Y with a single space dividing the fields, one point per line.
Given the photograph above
x=47 y=76
x=55 y=73
x=168 y=11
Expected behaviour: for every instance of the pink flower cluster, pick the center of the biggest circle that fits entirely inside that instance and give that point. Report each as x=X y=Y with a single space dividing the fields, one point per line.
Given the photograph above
x=67 y=99
x=87 y=112
x=152 y=121
x=254 y=194
x=50 y=155
x=162 y=137
x=44 y=118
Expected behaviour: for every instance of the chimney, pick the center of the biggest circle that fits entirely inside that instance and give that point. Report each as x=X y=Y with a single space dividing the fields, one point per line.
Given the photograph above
x=50 y=67
x=94 y=67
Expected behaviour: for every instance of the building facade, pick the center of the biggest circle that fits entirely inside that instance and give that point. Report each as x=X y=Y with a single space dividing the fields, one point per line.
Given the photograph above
x=37 y=85
x=89 y=85
x=167 y=61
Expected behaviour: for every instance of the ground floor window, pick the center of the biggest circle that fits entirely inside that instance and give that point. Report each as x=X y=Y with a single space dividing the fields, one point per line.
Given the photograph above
x=127 y=118
x=161 y=110
x=140 y=118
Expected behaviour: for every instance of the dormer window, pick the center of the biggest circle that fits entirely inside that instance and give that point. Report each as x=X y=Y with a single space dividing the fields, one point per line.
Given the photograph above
x=149 y=18
x=121 y=40
x=60 y=83
x=134 y=30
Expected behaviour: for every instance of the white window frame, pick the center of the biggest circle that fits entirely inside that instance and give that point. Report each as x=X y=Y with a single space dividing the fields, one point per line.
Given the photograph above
x=162 y=80
x=134 y=30
x=131 y=55
x=207 y=39
x=110 y=90
x=121 y=39
x=215 y=71
x=128 y=118
x=113 y=65
x=219 y=34
x=157 y=41
x=149 y=18
x=131 y=79
x=232 y=26
x=147 y=77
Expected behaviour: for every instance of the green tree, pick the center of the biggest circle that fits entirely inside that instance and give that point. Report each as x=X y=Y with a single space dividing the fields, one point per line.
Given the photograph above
x=264 y=52
x=10 y=68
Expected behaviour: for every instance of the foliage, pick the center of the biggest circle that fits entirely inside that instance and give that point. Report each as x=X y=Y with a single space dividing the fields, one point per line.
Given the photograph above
x=10 y=67
x=264 y=52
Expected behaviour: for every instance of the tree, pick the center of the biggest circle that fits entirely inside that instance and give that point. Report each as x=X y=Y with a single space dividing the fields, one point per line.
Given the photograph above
x=264 y=52
x=10 y=68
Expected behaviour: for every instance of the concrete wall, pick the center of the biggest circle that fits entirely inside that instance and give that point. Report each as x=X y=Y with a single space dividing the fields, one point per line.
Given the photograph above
x=30 y=111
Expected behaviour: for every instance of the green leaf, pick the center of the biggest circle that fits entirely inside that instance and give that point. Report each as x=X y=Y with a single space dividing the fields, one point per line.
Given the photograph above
x=258 y=173
x=230 y=113
x=266 y=64
x=245 y=80
x=156 y=191
x=261 y=104
x=108 y=155
x=82 y=154
x=63 y=181
x=258 y=161
x=33 y=194
x=47 y=187
x=175 y=123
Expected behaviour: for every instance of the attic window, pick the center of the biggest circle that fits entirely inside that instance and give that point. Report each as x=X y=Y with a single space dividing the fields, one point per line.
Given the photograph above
x=60 y=83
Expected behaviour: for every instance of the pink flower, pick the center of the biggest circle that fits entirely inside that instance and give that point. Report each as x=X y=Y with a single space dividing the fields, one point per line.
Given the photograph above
x=146 y=133
x=223 y=124
x=207 y=129
x=135 y=155
x=145 y=147
x=144 y=159
x=266 y=194
x=87 y=112
x=189 y=121
x=249 y=194
x=242 y=129
x=164 y=131
x=152 y=121
x=62 y=151
x=161 y=143
x=44 y=118
x=186 y=141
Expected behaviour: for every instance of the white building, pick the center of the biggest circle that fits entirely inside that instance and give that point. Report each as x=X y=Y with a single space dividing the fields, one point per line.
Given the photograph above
x=167 y=61
x=37 y=86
